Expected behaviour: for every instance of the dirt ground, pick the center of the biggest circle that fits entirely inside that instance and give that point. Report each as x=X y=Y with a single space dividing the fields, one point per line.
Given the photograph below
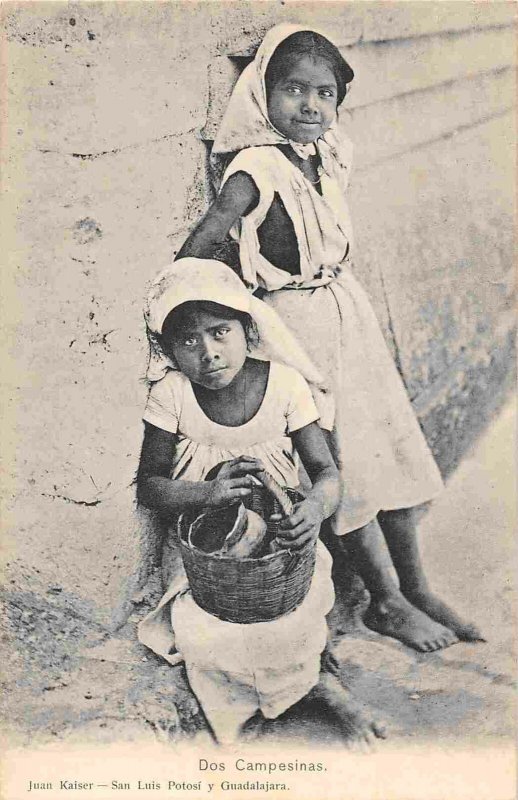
x=65 y=680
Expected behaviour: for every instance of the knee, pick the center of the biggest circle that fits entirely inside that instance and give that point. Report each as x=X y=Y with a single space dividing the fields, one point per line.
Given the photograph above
x=360 y=538
x=397 y=518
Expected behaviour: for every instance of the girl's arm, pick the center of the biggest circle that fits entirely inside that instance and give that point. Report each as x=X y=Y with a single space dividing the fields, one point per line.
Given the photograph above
x=155 y=489
x=237 y=198
x=167 y=497
x=318 y=463
x=323 y=498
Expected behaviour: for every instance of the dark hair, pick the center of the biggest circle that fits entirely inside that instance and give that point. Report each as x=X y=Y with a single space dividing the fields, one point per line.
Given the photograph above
x=314 y=45
x=180 y=318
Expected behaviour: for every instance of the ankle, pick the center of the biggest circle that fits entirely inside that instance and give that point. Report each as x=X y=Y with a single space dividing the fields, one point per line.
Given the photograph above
x=415 y=589
x=384 y=601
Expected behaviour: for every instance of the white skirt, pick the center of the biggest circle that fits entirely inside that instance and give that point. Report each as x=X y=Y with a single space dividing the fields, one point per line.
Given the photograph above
x=237 y=669
x=384 y=460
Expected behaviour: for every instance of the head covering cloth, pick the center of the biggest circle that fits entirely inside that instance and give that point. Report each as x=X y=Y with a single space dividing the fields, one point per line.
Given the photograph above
x=245 y=122
x=199 y=279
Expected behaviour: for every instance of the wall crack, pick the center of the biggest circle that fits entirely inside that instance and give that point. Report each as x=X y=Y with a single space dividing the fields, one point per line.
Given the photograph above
x=116 y=150
x=71 y=499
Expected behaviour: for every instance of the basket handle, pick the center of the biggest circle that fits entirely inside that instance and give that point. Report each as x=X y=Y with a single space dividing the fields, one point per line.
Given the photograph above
x=276 y=490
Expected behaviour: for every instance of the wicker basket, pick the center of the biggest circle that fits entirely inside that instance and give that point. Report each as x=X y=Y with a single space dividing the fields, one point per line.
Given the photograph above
x=251 y=589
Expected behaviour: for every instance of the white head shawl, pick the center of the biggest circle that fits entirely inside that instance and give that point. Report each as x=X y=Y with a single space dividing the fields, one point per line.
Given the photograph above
x=192 y=279
x=245 y=122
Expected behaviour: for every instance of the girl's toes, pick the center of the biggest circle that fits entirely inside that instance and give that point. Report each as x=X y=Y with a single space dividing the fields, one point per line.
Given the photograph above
x=380 y=730
x=370 y=739
x=364 y=744
x=447 y=639
x=360 y=742
x=470 y=633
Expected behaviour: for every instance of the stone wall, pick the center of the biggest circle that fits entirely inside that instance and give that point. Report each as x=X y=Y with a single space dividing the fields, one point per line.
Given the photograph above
x=104 y=174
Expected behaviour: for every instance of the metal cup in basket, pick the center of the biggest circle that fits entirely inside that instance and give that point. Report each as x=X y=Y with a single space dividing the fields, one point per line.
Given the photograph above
x=246 y=590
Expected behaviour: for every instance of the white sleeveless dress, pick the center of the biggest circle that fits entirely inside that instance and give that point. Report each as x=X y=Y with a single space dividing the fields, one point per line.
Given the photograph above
x=383 y=456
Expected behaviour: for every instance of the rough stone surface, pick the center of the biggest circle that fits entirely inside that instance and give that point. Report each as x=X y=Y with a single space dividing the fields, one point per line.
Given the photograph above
x=445 y=264
x=455 y=413
x=405 y=122
x=250 y=21
x=76 y=685
x=440 y=268
x=105 y=174
x=401 y=20
x=388 y=69
x=70 y=94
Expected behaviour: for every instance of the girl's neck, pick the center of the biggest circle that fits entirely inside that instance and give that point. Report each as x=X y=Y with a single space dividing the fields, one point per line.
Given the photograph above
x=237 y=403
x=309 y=167
x=304 y=151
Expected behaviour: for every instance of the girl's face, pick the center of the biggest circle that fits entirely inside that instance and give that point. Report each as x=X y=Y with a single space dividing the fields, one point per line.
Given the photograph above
x=210 y=351
x=302 y=103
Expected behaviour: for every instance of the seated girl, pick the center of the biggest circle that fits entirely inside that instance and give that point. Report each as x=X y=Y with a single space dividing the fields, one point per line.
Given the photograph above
x=211 y=401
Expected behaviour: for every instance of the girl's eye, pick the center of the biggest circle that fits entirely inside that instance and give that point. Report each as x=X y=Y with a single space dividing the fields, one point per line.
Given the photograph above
x=191 y=341
x=221 y=332
x=294 y=89
x=328 y=93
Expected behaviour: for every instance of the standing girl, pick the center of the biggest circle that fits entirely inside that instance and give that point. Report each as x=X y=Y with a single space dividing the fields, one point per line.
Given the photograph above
x=216 y=398
x=283 y=198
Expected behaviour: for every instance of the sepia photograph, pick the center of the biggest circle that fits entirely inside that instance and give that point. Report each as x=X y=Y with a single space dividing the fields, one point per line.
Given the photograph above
x=258 y=421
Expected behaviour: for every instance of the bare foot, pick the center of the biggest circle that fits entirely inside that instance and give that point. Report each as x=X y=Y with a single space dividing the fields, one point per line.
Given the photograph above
x=397 y=618
x=358 y=726
x=442 y=613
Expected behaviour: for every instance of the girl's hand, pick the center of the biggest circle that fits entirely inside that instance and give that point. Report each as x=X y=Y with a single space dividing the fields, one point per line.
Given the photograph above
x=303 y=525
x=234 y=481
